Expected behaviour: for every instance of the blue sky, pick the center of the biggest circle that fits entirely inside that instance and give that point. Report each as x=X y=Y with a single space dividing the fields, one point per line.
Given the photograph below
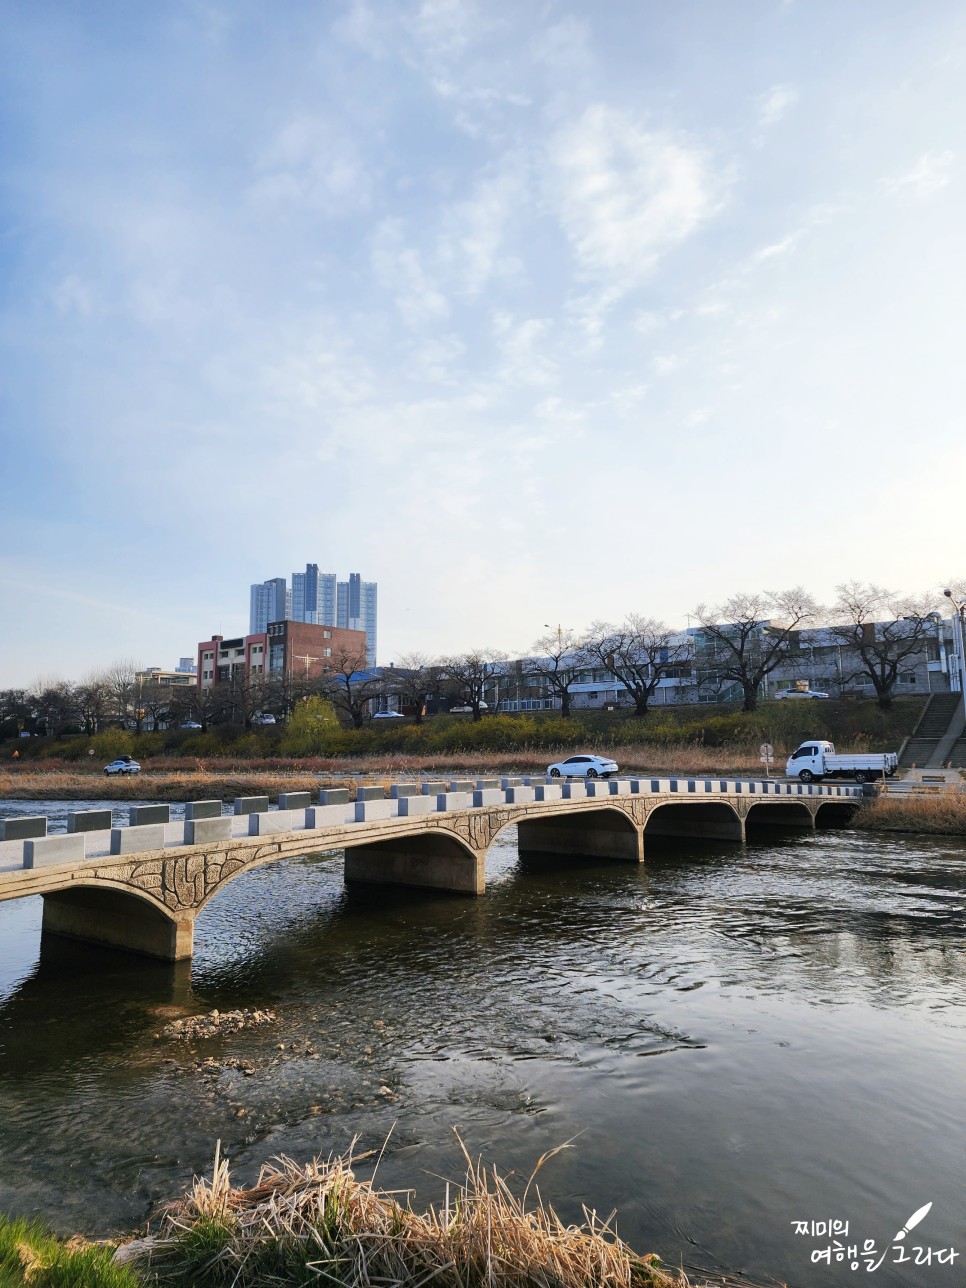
x=531 y=313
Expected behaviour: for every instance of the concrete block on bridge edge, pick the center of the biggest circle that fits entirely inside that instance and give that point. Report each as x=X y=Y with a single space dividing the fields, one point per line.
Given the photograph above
x=487 y=784
x=548 y=792
x=511 y=782
x=334 y=815
x=89 y=820
x=54 y=849
x=517 y=795
x=204 y=831
x=410 y=806
x=294 y=800
x=19 y=829
x=334 y=796
x=369 y=809
x=488 y=796
x=370 y=793
x=251 y=805
x=280 y=820
x=139 y=815
x=132 y=840
x=433 y=789
x=461 y=785
x=454 y=800
x=574 y=790
x=195 y=810
x=400 y=790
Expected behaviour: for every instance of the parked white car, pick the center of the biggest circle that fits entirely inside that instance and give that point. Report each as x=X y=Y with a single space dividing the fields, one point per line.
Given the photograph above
x=125 y=765
x=583 y=767
x=801 y=693
x=388 y=715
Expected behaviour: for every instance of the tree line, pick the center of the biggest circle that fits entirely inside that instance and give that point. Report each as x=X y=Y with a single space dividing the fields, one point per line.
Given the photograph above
x=737 y=642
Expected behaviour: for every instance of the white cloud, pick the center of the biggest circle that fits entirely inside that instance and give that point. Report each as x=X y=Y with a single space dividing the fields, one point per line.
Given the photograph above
x=474 y=230
x=626 y=195
x=310 y=165
x=778 y=248
x=775 y=102
x=931 y=172
x=398 y=267
x=519 y=343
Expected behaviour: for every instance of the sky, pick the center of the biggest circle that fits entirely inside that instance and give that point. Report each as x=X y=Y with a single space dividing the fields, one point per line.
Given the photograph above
x=532 y=313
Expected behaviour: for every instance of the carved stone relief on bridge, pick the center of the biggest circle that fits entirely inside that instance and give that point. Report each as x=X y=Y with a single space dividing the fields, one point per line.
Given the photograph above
x=179 y=884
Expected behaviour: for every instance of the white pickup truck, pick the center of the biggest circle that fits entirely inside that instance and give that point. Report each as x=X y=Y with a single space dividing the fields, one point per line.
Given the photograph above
x=815 y=760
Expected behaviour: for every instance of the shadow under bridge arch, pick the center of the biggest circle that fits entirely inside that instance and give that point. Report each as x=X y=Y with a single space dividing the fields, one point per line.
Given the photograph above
x=708 y=820
x=598 y=833
x=119 y=918
x=436 y=859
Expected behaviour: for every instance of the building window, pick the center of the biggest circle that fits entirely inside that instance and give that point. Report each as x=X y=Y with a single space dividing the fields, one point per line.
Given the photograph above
x=326 y=635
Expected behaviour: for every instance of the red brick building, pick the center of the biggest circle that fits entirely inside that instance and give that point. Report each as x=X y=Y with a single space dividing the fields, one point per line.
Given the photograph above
x=284 y=649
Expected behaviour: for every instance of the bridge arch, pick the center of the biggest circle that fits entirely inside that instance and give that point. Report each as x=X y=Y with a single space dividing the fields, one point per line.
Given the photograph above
x=436 y=858
x=780 y=813
x=835 y=813
x=605 y=832
x=712 y=820
x=119 y=916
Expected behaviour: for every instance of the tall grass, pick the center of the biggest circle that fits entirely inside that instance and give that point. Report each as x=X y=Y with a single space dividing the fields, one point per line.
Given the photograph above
x=224 y=780
x=30 y=1255
x=317 y=1223
x=943 y=814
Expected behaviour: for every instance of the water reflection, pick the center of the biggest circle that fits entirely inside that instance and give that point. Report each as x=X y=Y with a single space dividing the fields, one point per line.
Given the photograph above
x=739 y=1037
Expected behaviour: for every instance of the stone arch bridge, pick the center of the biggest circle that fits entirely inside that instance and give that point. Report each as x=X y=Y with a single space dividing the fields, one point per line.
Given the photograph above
x=147 y=901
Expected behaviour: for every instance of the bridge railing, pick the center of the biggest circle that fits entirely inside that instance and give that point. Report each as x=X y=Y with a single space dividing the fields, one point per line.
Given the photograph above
x=27 y=842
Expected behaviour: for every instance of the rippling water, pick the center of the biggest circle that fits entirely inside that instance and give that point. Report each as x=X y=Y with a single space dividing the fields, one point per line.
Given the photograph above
x=733 y=1038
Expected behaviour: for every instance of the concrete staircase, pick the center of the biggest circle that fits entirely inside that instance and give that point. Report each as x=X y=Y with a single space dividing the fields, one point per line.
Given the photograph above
x=922 y=745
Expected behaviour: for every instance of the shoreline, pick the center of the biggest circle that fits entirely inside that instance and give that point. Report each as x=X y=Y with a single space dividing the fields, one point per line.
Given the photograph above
x=297 y=1216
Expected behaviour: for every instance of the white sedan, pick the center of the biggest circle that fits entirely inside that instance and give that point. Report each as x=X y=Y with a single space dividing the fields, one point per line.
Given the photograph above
x=124 y=765
x=583 y=767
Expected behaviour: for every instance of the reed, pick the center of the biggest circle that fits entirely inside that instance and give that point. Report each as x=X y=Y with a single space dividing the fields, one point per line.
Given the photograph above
x=225 y=779
x=943 y=814
x=317 y=1223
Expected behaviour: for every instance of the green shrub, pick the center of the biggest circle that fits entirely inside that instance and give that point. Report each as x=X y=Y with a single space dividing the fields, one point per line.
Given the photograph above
x=313 y=729
x=111 y=743
x=147 y=745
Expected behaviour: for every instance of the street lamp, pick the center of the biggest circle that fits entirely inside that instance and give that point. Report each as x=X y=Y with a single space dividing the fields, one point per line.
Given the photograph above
x=959 y=633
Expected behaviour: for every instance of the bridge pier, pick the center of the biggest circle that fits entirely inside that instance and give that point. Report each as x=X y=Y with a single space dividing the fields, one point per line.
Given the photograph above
x=117 y=920
x=601 y=834
x=434 y=861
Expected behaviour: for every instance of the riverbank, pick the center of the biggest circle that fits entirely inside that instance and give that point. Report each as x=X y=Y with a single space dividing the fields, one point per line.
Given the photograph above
x=940 y=815
x=299 y=1223
x=224 y=779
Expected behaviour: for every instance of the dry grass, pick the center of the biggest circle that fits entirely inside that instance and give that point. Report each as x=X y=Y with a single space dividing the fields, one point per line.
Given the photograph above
x=943 y=814
x=225 y=780
x=317 y=1223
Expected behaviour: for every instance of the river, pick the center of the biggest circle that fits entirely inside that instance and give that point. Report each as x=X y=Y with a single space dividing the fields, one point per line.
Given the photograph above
x=733 y=1039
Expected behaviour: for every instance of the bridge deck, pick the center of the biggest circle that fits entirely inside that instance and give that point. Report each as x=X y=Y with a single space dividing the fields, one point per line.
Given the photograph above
x=98 y=843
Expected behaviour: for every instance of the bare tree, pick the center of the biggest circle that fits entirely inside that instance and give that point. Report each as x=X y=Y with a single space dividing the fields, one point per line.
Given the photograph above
x=557 y=659
x=414 y=677
x=124 y=688
x=351 y=684
x=638 y=654
x=93 y=703
x=469 y=674
x=883 y=632
x=55 y=703
x=749 y=636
